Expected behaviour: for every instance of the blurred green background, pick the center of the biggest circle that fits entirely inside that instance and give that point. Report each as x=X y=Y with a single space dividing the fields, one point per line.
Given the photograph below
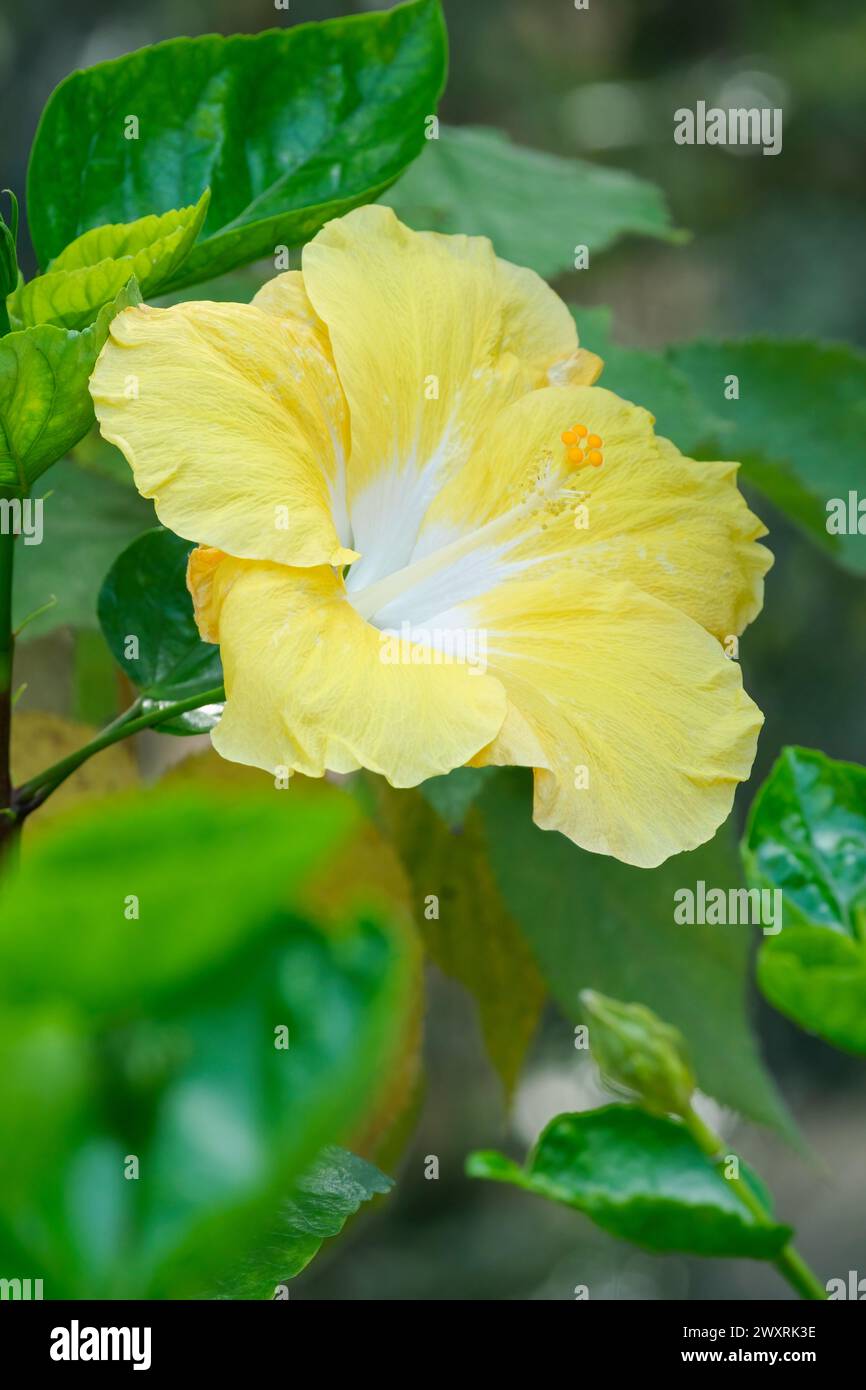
x=775 y=245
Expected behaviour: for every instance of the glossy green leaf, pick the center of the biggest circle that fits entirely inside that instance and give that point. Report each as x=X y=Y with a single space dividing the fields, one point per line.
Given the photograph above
x=87 y=521
x=806 y=840
x=45 y=407
x=95 y=267
x=535 y=207
x=288 y=128
x=641 y=1177
x=807 y=837
x=610 y=927
x=335 y=1189
x=153 y=1035
x=146 y=615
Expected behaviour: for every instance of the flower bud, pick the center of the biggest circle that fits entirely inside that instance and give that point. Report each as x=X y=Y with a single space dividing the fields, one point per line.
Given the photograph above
x=637 y=1052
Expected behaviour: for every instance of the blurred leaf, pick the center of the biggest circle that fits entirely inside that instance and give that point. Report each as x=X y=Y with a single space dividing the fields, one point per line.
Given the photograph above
x=145 y=607
x=9 y=272
x=96 y=266
x=94 y=454
x=806 y=839
x=288 y=128
x=798 y=426
x=45 y=407
x=237 y=286
x=88 y=520
x=593 y=923
x=650 y=380
x=535 y=207
x=187 y=848
x=335 y=1188
x=40 y=740
x=171 y=1018
x=471 y=937
x=641 y=1177
x=363 y=874
x=452 y=795
x=98 y=689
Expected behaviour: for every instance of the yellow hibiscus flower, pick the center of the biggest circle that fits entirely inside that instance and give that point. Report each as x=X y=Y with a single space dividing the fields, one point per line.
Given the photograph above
x=426 y=539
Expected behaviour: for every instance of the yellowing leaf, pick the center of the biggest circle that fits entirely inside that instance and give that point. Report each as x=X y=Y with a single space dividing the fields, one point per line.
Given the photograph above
x=473 y=938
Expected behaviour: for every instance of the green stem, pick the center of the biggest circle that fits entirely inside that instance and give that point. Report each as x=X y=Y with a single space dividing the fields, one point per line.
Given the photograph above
x=39 y=788
x=789 y=1263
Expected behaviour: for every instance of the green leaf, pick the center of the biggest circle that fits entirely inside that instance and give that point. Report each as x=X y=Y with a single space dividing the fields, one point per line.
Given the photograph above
x=609 y=927
x=817 y=979
x=96 y=266
x=797 y=427
x=45 y=407
x=536 y=208
x=88 y=519
x=467 y=930
x=145 y=597
x=641 y=1177
x=157 y=245
x=335 y=1188
x=807 y=837
x=806 y=840
x=154 y=1036
x=68 y=298
x=288 y=128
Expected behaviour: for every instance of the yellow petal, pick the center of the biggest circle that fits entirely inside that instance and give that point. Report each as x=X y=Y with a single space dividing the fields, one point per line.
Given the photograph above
x=285 y=297
x=313 y=688
x=201 y=574
x=714 y=533
x=637 y=723
x=432 y=337
x=234 y=422
x=676 y=528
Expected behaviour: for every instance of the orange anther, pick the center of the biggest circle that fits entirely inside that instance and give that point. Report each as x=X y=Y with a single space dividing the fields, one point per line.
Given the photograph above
x=580 y=430
x=568 y=437
x=593 y=442
x=575 y=456
x=594 y=457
